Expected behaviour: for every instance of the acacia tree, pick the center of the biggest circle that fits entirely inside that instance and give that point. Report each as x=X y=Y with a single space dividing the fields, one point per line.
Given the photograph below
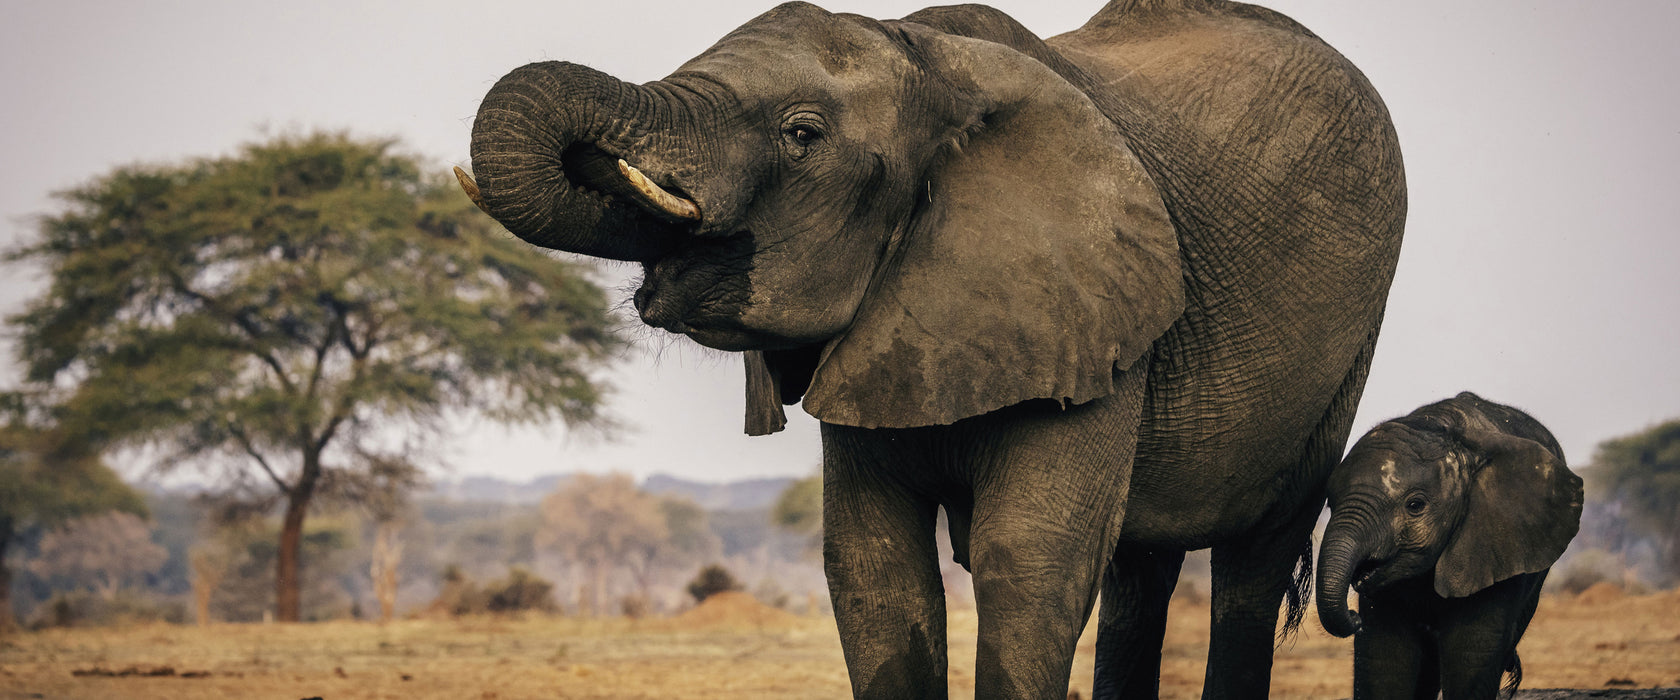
x=297 y=314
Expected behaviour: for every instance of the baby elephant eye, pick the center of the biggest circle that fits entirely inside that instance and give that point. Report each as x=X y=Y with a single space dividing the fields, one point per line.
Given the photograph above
x=1415 y=505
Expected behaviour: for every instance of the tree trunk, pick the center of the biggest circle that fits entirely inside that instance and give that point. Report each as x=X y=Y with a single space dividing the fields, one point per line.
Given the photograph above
x=600 y=586
x=6 y=622
x=207 y=575
x=387 y=555
x=288 y=565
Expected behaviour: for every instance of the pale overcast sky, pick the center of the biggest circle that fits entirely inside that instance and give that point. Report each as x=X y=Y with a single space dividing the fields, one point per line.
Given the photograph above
x=1541 y=142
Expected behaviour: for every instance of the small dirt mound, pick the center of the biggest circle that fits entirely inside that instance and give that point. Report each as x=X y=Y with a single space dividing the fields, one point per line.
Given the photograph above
x=1601 y=592
x=733 y=609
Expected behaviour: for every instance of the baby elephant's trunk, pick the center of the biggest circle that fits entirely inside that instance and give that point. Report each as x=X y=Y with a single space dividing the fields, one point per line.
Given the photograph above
x=1338 y=557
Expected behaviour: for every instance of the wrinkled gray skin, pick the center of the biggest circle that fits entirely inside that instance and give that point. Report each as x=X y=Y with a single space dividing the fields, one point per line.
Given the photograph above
x=1446 y=522
x=1105 y=298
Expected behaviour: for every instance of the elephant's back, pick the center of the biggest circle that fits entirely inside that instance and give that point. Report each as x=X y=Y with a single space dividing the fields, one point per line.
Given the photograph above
x=1219 y=84
x=1281 y=169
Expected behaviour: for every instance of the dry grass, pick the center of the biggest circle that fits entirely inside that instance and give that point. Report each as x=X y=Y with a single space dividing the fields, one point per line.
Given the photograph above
x=753 y=654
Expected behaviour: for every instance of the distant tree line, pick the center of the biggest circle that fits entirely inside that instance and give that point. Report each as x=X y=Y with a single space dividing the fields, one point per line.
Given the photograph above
x=458 y=557
x=1630 y=528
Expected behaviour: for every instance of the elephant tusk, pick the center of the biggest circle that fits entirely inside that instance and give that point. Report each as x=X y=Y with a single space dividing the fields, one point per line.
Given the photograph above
x=471 y=188
x=656 y=197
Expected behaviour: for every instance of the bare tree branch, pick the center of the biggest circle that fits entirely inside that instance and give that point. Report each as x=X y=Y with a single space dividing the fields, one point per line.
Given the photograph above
x=251 y=449
x=239 y=319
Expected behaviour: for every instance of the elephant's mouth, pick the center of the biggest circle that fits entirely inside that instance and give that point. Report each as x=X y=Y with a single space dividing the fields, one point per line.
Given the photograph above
x=696 y=288
x=1365 y=574
x=700 y=290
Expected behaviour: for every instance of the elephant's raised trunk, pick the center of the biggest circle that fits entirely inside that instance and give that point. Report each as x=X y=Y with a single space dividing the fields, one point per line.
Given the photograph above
x=546 y=149
x=1345 y=546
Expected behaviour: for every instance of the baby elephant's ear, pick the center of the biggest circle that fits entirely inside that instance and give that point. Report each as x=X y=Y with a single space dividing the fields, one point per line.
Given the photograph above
x=1040 y=259
x=1523 y=508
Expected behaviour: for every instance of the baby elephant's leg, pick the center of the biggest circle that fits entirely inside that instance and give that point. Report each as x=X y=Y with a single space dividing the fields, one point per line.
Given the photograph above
x=1479 y=636
x=1394 y=657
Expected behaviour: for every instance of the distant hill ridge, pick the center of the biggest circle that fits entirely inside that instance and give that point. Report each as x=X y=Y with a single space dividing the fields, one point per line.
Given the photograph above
x=746 y=494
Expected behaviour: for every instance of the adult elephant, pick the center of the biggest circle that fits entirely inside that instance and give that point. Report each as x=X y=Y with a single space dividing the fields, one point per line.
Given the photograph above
x=1105 y=298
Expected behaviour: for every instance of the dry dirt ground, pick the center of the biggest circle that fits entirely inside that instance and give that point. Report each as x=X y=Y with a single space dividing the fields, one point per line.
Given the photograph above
x=731 y=648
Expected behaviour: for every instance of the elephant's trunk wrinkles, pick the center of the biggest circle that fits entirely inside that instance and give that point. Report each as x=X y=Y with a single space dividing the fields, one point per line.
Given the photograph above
x=1345 y=546
x=545 y=149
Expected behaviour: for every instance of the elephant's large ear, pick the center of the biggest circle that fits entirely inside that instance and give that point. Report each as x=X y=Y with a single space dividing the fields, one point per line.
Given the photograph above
x=764 y=410
x=774 y=378
x=1524 y=506
x=1040 y=260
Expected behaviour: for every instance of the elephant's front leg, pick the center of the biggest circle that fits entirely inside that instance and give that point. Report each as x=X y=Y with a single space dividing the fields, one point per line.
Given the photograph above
x=883 y=571
x=1047 y=515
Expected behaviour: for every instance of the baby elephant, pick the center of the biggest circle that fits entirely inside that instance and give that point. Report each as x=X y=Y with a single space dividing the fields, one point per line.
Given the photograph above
x=1446 y=522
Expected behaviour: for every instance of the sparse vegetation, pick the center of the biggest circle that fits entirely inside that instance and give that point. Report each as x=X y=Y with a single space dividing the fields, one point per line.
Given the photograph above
x=1572 y=643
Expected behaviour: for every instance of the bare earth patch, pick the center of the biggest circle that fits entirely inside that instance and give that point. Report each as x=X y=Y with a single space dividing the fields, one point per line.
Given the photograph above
x=1605 y=642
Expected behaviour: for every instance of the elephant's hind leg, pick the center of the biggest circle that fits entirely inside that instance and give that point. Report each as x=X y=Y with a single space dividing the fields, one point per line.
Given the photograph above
x=1250 y=579
x=1133 y=620
x=1251 y=574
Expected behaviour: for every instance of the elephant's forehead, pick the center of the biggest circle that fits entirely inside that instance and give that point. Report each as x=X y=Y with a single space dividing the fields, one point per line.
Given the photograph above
x=802 y=48
x=1395 y=456
x=1410 y=443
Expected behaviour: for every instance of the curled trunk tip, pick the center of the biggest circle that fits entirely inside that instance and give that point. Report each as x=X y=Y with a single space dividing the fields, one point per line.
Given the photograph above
x=540 y=150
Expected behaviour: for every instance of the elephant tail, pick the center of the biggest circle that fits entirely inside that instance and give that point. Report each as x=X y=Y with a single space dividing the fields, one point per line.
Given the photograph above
x=1514 y=680
x=1299 y=592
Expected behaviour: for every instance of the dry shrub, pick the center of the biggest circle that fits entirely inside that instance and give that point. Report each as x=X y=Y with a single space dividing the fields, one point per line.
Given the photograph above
x=712 y=580
x=635 y=607
x=458 y=596
x=521 y=590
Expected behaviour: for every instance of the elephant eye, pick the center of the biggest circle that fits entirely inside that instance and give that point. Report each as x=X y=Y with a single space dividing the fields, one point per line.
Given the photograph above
x=1415 y=505
x=803 y=134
